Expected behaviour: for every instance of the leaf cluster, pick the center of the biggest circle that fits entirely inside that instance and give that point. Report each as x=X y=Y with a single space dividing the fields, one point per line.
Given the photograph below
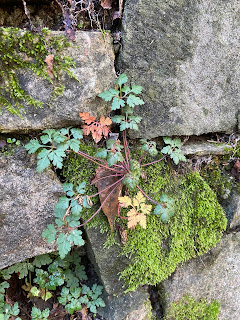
x=98 y=129
x=125 y=98
x=53 y=146
x=68 y=214
x=112 y=153
x=137 y=214
x=149 y=146
x=75 y=298
x=37 y=314
x=173 y=149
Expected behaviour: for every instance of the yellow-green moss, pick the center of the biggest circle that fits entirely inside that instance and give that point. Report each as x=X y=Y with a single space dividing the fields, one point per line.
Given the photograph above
x=196 y=227
x=26 y=50
x=189 y=309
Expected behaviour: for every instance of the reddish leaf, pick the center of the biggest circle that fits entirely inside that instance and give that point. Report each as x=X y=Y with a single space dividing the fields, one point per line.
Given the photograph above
x=105 y=121
x=106 y=4
x=49 y=61
x=86 y=117
x=236 y=170
x=110 y=207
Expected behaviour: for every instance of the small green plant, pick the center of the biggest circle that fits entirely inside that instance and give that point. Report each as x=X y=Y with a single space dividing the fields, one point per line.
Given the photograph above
x=13 y=141
x=74 y=298
x=7 y=311
x=37 y=314
x=38 y=52
x=190 y=309
x=115 y=164
x=47 y=278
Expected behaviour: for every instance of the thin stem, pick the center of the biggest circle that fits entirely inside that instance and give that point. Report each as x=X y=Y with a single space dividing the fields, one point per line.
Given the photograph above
x=142 y=156
x=147 y=196
x=83 y=224
x=119 y=213
x=125 y=147
x=94 y=195
x=100 y=164
x=148 y=164
x=129 y=156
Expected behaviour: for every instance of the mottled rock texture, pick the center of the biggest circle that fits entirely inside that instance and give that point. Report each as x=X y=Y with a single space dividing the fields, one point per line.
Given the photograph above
x=94 y=58
x=119 y=306
x=27 y=206
x=215 y=275
x=185 y=54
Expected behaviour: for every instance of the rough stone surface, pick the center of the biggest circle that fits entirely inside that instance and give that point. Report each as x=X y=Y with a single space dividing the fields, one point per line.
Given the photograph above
x=27 y=203
x=204 y=148
x=94 y=59
x=185 y=54
x=215 y=275
x=232 y=210
x=119 y=306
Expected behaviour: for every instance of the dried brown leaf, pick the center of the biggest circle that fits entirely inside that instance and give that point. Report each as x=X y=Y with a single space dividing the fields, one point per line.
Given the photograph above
x=102 y=180
x=49 y=61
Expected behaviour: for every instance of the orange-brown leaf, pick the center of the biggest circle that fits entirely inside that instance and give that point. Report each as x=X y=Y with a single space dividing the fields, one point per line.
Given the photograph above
x=105 y=121
x=86 y=130
x=106 y=4
x=85 y=116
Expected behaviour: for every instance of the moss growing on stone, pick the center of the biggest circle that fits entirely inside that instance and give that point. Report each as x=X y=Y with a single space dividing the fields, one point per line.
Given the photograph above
x=77 y=169
x=26 y=50
x=189 y=309
x=197 y=226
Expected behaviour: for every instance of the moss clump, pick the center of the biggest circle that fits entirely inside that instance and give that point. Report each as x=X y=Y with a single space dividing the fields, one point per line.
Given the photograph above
x=189 y=309
x=197 y=226
x=77 y=169
x=25 y=50
x=217 y=179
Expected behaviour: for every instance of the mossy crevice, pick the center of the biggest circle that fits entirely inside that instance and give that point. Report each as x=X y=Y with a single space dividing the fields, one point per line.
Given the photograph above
x=156 y=251
x=21 y=49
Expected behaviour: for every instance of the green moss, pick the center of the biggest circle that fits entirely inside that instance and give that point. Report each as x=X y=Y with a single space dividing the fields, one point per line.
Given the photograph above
x=77 y=169
x=217 y=179
x=25 y=50
x=197 y=226
x=189 y=309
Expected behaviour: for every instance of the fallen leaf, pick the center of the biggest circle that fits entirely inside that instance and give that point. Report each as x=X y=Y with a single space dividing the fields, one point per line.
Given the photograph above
x=49 y=61
x=106 y=4
x=84 y=312
x=123 y=235
x=102 y=180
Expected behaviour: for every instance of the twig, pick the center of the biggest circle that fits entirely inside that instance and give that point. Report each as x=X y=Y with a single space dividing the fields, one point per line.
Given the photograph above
x=27 y=13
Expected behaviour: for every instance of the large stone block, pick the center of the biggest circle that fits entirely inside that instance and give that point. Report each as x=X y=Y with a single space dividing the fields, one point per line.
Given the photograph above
x=27 y=202
x=185 y=54
x=215 y=275
x=94 y=58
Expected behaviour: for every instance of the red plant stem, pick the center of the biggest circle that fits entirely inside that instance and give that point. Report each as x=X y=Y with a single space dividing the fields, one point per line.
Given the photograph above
x=148 y=164
x=83 y=224
x=119 y=213
x=142 y=156
x=94 y=195
x=126 y=167
x=147 y=196
x=100 y=164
